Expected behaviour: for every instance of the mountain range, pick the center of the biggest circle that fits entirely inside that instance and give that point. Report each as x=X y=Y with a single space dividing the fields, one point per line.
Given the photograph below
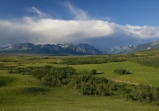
x=71 y=49
x=55 y=49
x=133 y=48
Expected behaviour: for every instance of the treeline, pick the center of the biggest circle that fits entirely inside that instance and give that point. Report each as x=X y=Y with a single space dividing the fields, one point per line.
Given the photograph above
x=147 y=61
x=88 y=84
x=93 y=60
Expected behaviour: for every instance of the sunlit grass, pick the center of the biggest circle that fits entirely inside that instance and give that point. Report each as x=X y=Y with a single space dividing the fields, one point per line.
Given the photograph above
x=15 y=96
x=140 y=74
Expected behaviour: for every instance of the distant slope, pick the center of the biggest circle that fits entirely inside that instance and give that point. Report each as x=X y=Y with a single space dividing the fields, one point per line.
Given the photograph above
x=57 y=49
x=148 y=52
x=151 y=45
x=133 y=48
x=119 y=50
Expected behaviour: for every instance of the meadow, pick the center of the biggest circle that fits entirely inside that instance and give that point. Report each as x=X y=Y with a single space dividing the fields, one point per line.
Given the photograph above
x=141 y=74
x=20 y=92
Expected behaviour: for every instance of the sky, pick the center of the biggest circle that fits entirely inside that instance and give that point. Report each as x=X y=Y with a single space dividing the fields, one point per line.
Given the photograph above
x=101 y=23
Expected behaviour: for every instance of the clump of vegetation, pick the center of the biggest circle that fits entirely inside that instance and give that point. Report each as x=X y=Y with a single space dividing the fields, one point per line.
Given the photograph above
x=122 y=71
x=87 y=84
x=92 y=60
x=5 y=80
x=147 y=61
x=93 y=72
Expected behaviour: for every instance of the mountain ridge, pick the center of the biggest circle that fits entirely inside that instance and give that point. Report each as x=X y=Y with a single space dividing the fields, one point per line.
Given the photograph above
x=133 y=48
x=57 y=49
x=71 y=49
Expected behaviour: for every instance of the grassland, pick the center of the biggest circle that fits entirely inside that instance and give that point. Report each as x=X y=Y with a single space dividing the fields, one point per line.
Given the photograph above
x=16 y=94
x=140 y=74
x=14 y=98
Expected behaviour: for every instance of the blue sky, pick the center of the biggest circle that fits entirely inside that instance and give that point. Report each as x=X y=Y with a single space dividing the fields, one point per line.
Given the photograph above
x=102 y=23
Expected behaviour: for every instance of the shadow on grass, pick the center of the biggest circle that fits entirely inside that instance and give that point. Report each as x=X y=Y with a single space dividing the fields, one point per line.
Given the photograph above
x=98 y=73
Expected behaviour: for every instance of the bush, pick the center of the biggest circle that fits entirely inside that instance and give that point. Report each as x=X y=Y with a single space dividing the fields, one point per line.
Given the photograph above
x=93 y=71
x=5 y=80
x=122 y=71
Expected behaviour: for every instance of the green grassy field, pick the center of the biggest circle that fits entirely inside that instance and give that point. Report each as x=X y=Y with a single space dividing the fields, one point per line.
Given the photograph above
x=14 y=98
x=17 y=94
x=140 y=74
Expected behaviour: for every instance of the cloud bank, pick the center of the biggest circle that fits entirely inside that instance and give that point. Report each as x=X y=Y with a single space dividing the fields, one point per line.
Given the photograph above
x=82 y=28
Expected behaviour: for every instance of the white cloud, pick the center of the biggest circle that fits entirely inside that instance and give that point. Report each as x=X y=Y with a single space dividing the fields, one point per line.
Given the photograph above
x=52 y=30
x=48 y=30
x=78 y=13
x=35 y=10
x=143 y=32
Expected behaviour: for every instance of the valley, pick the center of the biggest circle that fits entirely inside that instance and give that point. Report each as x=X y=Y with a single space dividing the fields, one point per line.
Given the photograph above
x=79 y=55
x=20 y=90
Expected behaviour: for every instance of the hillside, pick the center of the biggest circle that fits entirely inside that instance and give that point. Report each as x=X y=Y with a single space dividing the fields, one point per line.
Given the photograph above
x=133 y=48
x=148 y=52
x=21 y=91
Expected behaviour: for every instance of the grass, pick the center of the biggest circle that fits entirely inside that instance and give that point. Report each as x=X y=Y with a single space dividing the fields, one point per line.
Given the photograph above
x=140 y=74
x=26 y=93
x=62 y=99
x=4 y=81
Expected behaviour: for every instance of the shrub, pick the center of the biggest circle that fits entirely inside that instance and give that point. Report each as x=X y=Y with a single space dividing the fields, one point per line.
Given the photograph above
x=5 y=80
x=122 y=71
x=93 y=71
